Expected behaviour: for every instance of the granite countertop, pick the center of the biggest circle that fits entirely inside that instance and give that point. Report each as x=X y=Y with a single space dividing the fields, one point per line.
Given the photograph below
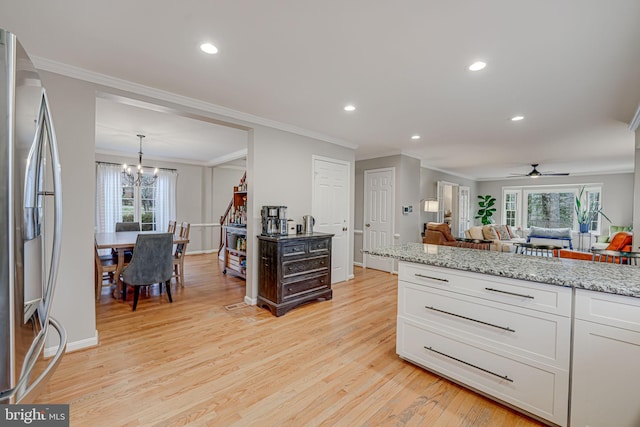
x=601 y=277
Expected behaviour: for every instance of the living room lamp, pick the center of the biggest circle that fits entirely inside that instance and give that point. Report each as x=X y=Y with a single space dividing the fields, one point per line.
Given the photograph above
x=431 y=206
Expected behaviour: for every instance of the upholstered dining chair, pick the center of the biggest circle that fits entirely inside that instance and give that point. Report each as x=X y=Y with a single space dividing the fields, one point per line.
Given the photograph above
x=127 y=226
x=151 y=263
x=105 y=264
x=178 y=255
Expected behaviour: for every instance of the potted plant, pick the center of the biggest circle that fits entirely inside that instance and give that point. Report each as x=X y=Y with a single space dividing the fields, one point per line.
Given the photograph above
x=586 y=214
x=486 y=209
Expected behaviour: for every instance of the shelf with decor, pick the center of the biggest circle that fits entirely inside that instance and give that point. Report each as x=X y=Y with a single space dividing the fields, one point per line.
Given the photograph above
x=234 y=232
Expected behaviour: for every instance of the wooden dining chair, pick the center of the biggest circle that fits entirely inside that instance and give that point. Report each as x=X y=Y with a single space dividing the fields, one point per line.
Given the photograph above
x=178 y=255
x=151 y=263
x=172 y=227
x=105 y=268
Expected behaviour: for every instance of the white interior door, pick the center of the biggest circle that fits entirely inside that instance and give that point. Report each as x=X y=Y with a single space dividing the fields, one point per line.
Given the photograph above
x=379 y=195
x=331 y=190
x=463 y=208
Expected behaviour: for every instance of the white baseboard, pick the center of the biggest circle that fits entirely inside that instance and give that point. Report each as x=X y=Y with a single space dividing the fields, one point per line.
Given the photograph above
x=358 y=264
x=205 y=251
x=250 y=301
x=74 y=345
x=351 y=277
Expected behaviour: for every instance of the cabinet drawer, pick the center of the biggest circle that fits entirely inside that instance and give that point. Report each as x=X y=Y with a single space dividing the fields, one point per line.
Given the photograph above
x=293 y=249
x=525 y=333
x=542 y=391
x=608 y=309
x=536 y=296
x=305 y=285
x=318 y=246
x=304 y=266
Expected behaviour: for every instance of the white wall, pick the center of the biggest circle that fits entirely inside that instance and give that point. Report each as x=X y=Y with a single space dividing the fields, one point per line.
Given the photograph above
x=279 y=172
x=407 y=193
x=73 y=112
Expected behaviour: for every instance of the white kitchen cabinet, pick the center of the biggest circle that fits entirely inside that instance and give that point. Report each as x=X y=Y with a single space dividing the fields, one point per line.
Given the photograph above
x=605 y=387
x=508 y=339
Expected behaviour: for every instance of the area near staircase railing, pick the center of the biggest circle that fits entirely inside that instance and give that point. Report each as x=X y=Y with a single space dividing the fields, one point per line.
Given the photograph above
x=238 y=199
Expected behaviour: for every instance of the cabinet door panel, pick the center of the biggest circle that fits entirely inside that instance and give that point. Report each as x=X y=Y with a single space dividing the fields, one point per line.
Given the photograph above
x=606 y=376
x=525 y=333
x=536 y=296
x=542 y=391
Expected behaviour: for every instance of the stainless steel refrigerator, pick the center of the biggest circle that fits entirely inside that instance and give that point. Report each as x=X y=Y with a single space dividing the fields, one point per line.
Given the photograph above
x=30 y=227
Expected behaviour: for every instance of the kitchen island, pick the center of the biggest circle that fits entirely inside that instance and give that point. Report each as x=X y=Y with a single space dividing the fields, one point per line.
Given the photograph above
x=547 y=336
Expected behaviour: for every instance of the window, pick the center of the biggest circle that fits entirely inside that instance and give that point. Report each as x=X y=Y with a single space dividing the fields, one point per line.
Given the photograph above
x=153 y=203
x=139 y=204
x=550 y=206
x=511 y=208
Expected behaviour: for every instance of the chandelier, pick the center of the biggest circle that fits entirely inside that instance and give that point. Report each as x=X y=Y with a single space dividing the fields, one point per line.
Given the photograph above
x=135 y=178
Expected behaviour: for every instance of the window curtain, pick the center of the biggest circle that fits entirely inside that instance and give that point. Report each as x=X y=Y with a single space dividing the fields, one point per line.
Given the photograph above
x=108 y=197
x=165 y=198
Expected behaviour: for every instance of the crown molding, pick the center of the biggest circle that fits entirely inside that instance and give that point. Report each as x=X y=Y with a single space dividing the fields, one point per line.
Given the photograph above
x=635 y=122
x=124 y=85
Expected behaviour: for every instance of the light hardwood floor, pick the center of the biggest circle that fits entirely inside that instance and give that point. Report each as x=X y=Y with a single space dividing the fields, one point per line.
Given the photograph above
x=193 y=362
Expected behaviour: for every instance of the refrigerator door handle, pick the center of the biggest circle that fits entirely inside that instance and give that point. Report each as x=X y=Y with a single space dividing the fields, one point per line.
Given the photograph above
x=24 y=396
x=45 y=123
x=33 y=389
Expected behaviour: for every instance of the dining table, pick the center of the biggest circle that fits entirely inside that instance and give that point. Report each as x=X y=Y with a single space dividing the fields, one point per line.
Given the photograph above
x=123 y=241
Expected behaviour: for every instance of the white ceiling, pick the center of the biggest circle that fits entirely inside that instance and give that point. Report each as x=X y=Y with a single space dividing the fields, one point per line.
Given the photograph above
x=571 y=67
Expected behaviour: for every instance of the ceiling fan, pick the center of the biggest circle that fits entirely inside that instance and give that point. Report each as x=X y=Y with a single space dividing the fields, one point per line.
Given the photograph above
x=535 y=173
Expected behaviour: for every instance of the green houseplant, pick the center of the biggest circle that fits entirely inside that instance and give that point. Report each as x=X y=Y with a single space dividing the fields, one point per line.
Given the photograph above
x=586 y=213
x=486 y=209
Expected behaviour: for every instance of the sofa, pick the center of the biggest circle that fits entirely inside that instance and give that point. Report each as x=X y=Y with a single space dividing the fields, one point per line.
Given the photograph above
x=436 y=233
x=502 y=237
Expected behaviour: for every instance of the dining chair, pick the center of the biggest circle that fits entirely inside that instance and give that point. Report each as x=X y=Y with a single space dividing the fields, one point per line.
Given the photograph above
x=105 y=264
x=151 y=263
x=172 y=227
x=127 y=226
x=178 y=255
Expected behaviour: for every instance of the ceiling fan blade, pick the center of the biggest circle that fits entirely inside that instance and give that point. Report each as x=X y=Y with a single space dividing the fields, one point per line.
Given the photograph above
x=555 y=174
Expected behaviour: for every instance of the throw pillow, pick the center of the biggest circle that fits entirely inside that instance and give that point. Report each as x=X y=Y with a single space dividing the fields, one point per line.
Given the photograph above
x=619 y=241
x=489 y=233
x=475 y=232
x=503 y=232
x=512 y=232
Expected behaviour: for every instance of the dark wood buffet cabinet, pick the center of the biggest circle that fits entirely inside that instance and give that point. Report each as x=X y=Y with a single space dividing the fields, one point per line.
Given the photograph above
x=293 y=270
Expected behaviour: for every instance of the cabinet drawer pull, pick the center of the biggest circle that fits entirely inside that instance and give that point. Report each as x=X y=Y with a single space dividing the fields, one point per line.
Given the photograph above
x=504 y=377
x=509 y=293
x=505 y=328
x=431 y=277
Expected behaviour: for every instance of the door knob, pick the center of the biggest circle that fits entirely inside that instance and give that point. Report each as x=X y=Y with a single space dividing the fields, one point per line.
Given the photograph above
x=367 y=225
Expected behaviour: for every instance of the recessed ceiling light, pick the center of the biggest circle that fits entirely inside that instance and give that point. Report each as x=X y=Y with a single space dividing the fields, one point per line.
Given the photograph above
x=517 y=118
x=208 y=48
x=477 y=66
x=415 y=137
x=349 y=108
